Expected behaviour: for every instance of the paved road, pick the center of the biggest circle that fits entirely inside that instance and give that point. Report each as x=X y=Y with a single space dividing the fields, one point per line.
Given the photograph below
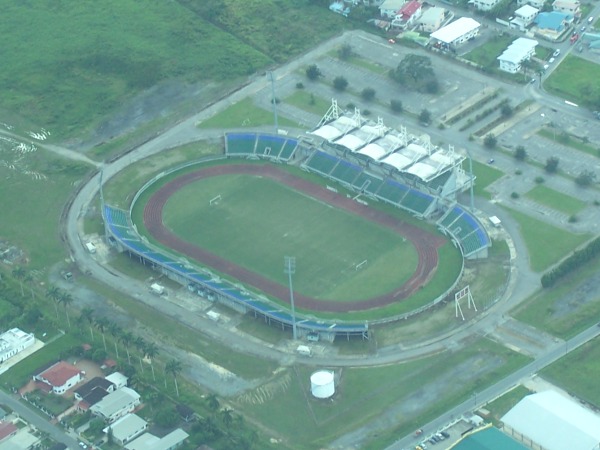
x=480 y=398
x=38 y=420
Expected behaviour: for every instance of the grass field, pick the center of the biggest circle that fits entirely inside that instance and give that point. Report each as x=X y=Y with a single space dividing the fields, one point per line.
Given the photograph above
x=574 y=372
x=575 y=79
x=567 y=308
x=245 y=114
x=364 y=393
x=308 y=102
x=538 y=235
x=486 y=54
x=485 y=175
x=555 y=200
x=328 y=243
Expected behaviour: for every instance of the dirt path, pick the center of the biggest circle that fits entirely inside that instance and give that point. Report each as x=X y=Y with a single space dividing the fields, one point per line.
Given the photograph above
x=425 y=243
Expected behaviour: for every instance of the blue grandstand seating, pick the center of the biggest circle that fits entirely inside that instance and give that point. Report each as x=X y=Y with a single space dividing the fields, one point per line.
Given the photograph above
x=269 y=145
x=372 y=186
x=392 y=191
x=417 y=201
x=346 y=172
x=240 y=143
x=466 y=228
x=322 y=162
x=288 y=149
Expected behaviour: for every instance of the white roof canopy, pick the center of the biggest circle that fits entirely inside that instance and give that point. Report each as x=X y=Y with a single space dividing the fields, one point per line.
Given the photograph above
x=456 y=29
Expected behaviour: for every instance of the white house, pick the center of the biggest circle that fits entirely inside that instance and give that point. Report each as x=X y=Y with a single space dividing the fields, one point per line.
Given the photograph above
x=118 y=379
x=571 y=7
x=408 y=14
x=432 y=19
x=116 y=404
x=59 y=377
x=539 y=4
x=127 y=428
x=457 y=32
x=524 y=16
x=148 y=441
x=520 y=50
x=484 y=5
x=14 y=341
x=390 y=8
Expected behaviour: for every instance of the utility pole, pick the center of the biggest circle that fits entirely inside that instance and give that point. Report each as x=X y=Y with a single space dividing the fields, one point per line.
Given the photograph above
x=273 y=100
x=290 y=269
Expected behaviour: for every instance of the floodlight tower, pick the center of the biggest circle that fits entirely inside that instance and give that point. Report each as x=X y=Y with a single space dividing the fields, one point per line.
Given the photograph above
x=289 y=267
x=472 y=180
x=273 y=99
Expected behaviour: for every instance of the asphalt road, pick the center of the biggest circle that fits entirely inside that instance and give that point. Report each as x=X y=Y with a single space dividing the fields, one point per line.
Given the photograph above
x=37 y=420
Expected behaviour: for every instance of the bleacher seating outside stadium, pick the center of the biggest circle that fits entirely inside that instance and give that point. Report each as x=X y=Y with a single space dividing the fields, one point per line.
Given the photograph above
x=417 y=201
x=240 y=143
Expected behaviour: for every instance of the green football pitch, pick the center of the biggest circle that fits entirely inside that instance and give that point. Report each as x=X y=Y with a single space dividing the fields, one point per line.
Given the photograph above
x=258 y=221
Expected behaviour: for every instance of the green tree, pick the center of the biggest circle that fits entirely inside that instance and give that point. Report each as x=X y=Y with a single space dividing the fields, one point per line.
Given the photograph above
x=66 y=299
x=551 y=164
x=115 y=331
x=140 y=345
x=340 y=83
x=415 y=72
x=368 y=94
x=506 y=110
x=585 y=178
x=345 y=52
x=166 y=417
x=151 y=351
x=53 y=293
x=87 y=315
x=19 y=273
x=126 y=337
x=396 y=106
x=313 y=72
x=520 y=153
x=213 y=403
x=226 y=417
x=425 y=117
x=174 y=367
x=490 y=141
x=102 y=325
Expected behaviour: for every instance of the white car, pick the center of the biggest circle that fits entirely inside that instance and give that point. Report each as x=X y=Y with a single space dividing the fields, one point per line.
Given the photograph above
x=546 y=66
x=551 y=60
x=556 y=53
x=590 y=19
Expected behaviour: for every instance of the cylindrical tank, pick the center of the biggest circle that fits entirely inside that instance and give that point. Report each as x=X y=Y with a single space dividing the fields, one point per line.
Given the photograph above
x=322 y=384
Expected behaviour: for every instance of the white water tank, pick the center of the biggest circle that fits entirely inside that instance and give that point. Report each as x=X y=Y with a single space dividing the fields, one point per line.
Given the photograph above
x=322 y=384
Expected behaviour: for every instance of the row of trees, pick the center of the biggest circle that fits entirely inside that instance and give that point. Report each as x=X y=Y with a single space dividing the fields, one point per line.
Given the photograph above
x=578 y=259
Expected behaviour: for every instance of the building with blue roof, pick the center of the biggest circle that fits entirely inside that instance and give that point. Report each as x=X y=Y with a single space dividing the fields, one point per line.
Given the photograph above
x=552 y=24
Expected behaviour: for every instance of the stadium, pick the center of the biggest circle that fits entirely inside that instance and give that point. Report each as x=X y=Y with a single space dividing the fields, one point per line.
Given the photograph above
x=357 y=171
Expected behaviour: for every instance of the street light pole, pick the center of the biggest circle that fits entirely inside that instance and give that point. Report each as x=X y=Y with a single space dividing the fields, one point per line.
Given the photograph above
x=274 y=100
x=471 y=194
x=290 y=268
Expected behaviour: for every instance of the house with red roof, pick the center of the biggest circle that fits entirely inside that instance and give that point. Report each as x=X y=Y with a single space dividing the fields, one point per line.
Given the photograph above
x=408 y=14
x=59 y=377
x=7 y=430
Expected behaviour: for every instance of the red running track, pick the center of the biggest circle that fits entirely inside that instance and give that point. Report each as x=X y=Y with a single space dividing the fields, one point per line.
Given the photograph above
x=426 y=244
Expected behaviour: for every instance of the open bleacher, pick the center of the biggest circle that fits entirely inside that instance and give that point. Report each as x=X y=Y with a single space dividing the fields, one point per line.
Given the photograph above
x=368 y=183
x=346 y=172
x=321 y=162
x=417 y=201
x=466 y=229
x=261 y=145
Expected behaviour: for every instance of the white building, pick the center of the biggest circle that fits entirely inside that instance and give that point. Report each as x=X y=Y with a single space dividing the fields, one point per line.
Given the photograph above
x=484 y=5
x=390 y=8
x=457 y=32
x=552 y=421
x=539 y=4
x=520 y=50
x=524 y=16
x=14 y=341
x=571 y=7
x=59 y=377
x=116 y=404
x=127 y=428
x=432 y=19
x=148 y=441
x=118 y=379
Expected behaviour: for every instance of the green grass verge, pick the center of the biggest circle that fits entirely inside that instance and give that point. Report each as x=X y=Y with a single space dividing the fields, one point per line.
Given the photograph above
x=568 y=140
x=555 y=200
x=34 y=205
x=506 y=402
x=538 y=235
x=485 y=55
x=485 y=175
x=327 y=242
x=308 y=102
x=245 y=114
x=574 y=372
x=575 y=79
x=364 y=393
x=566 y=309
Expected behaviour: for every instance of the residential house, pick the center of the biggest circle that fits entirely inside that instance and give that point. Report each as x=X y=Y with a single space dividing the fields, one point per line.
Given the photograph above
x=390 y=8
x=7 y=430
x=524 y=16
x=14 y=341
x=407 y=15
x=116 y=404
x=432 y=19
x=94 y=383
x=59 y=377
x=456 y=33
x=484 y=5
x=118 y=379
x=571 y=7
x=127 y=428
x=148 y=441
x=552 y=24
x=520 y=50
x=185 y=412
x=539 y=4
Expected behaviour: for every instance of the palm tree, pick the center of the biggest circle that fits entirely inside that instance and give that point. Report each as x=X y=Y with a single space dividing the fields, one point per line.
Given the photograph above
x=213 y=402
x=87 y=314
x=140 y=344
x=29 y=279
x=66 y=299
x=102 y=324
x=53 y=293
x=151 y=350
x=115 y=331
x=226 y=417
x=20 y=273
x=174 y=368
x=126 y=338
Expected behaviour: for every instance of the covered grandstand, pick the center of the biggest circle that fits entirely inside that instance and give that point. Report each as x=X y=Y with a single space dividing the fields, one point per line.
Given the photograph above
x=263 y=145
x=466 y=230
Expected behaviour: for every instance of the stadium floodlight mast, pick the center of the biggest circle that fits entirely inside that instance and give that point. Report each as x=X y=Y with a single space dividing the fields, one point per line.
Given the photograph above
x=472 y=181
x=273 y=99
x=289 y=267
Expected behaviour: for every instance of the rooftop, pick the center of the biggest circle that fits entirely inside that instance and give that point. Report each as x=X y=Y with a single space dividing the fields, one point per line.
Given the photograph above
x=456 y=29
x=58 y=374
x=97 y=382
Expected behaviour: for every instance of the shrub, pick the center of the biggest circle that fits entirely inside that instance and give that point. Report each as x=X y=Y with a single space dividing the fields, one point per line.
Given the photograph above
x=514 y=195
x=313 y=72
x=585 y=178
x=518 y=172
x=520 y=153
x=396 y=106
x=490 y=141
x=340 y=83
x=299 y=85
x=539 y=179
x=551 y=164
x=368 y=94
x=572 y=218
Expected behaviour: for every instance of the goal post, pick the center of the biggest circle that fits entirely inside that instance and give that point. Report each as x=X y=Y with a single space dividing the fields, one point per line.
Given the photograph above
x=215 y=200
x=464 y=292
x=360 y=265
